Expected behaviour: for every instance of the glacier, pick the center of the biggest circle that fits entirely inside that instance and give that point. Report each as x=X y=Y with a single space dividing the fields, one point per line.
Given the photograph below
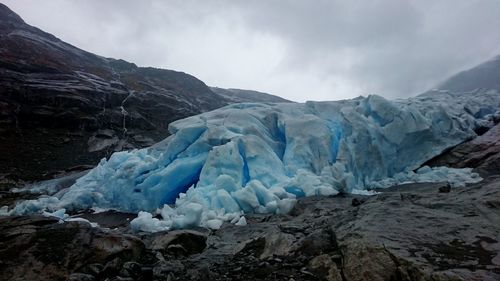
x=260 y=157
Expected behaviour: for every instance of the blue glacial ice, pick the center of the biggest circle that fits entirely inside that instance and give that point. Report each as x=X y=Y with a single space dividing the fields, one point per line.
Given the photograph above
x=258 y=158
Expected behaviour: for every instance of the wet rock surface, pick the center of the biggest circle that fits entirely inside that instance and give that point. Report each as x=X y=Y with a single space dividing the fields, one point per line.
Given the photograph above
x=409 y=232
x=40 y=248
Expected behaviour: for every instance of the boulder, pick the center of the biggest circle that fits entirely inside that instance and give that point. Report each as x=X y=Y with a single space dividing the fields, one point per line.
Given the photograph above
x=40 y=248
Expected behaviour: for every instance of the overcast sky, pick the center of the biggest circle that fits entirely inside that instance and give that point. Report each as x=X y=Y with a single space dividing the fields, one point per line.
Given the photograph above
x=297 y=49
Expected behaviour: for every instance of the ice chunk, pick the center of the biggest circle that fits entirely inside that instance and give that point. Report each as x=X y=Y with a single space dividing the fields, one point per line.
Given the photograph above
x=190 y=215
x=146 y=222
x=247 y=199
x=60 y=214
x=4 y=211
x=224 y=160
x=214 y=224
x=364 y=192
x=285 y=205
x=241 y=222
x=39 y=205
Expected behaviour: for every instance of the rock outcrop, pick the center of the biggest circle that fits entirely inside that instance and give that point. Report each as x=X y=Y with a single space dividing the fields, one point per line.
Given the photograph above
x=39 y=248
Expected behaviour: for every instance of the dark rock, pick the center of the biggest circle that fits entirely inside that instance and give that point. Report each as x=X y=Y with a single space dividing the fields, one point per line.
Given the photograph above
x=356 y=202
x=112 y=268
x=323 y=267
x=363 y=261
x=131 y=269
x=109 y=219
x=179 y=242
x=254 y=247
x=147 y=273
x=93 y=269
x=165 y=269
x=278 y=244
x=445 y=188
x=39 y=248
x=176 y=250
x=318 y=242
x=199 y=273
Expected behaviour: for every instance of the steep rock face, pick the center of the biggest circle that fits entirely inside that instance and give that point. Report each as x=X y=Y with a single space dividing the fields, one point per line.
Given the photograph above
x=483 y=76
x=61 y=106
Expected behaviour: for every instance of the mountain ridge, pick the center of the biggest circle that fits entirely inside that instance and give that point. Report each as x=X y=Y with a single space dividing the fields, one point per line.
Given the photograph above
x=240 y=95
x=484 y=76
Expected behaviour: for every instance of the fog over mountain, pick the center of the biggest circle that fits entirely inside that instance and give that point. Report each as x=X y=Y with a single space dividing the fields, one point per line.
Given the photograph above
x=299 y=51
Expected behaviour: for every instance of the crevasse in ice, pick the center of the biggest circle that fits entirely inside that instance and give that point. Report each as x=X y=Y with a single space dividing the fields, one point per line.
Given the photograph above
x=259 y=157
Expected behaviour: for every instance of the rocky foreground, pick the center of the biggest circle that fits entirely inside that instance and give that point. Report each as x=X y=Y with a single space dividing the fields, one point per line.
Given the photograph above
x=411 y=232
x=408 y=232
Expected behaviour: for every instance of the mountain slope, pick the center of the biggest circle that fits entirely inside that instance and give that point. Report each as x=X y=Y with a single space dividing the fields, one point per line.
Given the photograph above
x=238 y=95
x=483 y=76
x=62 y=107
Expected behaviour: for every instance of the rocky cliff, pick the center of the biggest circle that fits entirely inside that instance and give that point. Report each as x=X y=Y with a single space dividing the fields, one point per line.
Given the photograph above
x=62 y=108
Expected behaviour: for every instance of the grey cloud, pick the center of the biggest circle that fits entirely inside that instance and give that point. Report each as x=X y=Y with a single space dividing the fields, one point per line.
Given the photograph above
x=298 y=49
